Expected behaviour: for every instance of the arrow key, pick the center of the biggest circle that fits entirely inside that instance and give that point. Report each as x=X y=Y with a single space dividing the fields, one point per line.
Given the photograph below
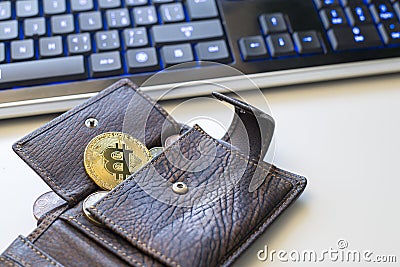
x=79 y=43
x=307 y=42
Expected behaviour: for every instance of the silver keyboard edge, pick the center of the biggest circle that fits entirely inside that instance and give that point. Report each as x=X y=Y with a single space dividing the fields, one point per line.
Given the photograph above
x=262 y=80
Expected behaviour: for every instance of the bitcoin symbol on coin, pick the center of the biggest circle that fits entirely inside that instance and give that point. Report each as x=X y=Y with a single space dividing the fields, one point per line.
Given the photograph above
x=112 y=157
x=116 y=162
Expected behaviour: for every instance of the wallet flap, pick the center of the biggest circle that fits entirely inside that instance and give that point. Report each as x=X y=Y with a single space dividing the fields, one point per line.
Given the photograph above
x=218 y=217
x=55 y=151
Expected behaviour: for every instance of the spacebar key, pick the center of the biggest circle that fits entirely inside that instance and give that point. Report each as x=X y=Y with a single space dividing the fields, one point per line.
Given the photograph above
x=187 y=31
x=41 y=71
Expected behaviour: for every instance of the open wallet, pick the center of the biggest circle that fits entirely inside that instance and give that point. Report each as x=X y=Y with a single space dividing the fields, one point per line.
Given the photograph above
x=200 y=202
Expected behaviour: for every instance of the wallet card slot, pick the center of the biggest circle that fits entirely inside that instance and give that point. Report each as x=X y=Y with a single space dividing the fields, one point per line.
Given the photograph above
x=24 y=253
x=55 y=151
x=107 y=239
x=213 y=231
x=73 y=248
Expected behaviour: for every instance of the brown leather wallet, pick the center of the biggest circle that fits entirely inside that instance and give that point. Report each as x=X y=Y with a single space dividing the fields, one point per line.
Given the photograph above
x=233 y=194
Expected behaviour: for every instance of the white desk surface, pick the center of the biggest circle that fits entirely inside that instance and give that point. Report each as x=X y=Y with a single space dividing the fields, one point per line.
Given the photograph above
x=344 y=136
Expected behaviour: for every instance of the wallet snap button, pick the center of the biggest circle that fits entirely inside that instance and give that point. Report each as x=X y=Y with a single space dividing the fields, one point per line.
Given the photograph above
x=180 y=188
x=91 y=123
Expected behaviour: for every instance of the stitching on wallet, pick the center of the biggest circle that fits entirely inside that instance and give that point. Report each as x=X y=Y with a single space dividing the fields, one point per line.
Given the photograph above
x=8 y=262
x=70 y=218
x=132 y=86
x=46 y=223
x=236 y=153
x=40 y=254
x=18 y=259
x=274 y=213
x=43 y=172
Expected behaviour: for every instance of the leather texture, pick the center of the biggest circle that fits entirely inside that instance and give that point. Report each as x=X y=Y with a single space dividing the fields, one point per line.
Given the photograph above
x=144 y=222
x=55 y=151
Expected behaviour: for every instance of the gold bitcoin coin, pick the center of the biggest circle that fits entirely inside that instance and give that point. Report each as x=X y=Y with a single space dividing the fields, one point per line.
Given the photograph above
x=112 y=157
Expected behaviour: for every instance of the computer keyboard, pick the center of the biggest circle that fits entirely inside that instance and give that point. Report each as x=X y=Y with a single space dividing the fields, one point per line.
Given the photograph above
x=56 y=53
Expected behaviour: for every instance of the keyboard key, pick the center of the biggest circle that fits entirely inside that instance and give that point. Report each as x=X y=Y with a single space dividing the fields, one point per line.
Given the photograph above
x=145 y=15
x=90 y=21
x=172 y=12
x=201 y=9
x=186 y=31
x=174 y=54
x=118 y=18
x=382 y=11
x=62 y=24
x=105 y=4
x=141 y=60
x=326 y=3
x=105 y=64
x=79 y=43
x=8 y=30
x=81 y=5
x=272 y=23
x=396 y=7
x=353 y=38
x=280 y=44
x=52 y=7
x=50 y=46
x=135 y=37
x=107 y=40
x=27 y=8
x=333 y=17
x=2 y=52
x=42 y=71
x=34 y=27
x=390 y=33
x=22 y=50
x=358 y=15
x=252 y=47
x=212 y=50
x=131 y=3
x=307 y=42
x=5 y=10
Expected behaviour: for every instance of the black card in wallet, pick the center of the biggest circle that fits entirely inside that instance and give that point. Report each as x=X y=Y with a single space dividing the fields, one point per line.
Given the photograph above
x=231 y=194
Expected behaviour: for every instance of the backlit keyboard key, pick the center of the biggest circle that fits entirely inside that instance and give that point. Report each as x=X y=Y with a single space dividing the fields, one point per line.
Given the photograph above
x=280 y=44
x=201 y=9
x=52 y=7
x=62 y=24
x=186 y=31
x=8 y=30
x=358 y=14
x=272 y=23
x=212 y=50
x=105 y=64
x=354 y=38
x=333 y=17
x=35 y=27
x=50 y=46
x=326 y=3
x=22 y=50
x=27 y=8
x=5 y=10
x=143 y=59
x=145 y=15
x=307 y=42
x=252 y=47
x=390 y=33
x=382 y=11
x=173 y=54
